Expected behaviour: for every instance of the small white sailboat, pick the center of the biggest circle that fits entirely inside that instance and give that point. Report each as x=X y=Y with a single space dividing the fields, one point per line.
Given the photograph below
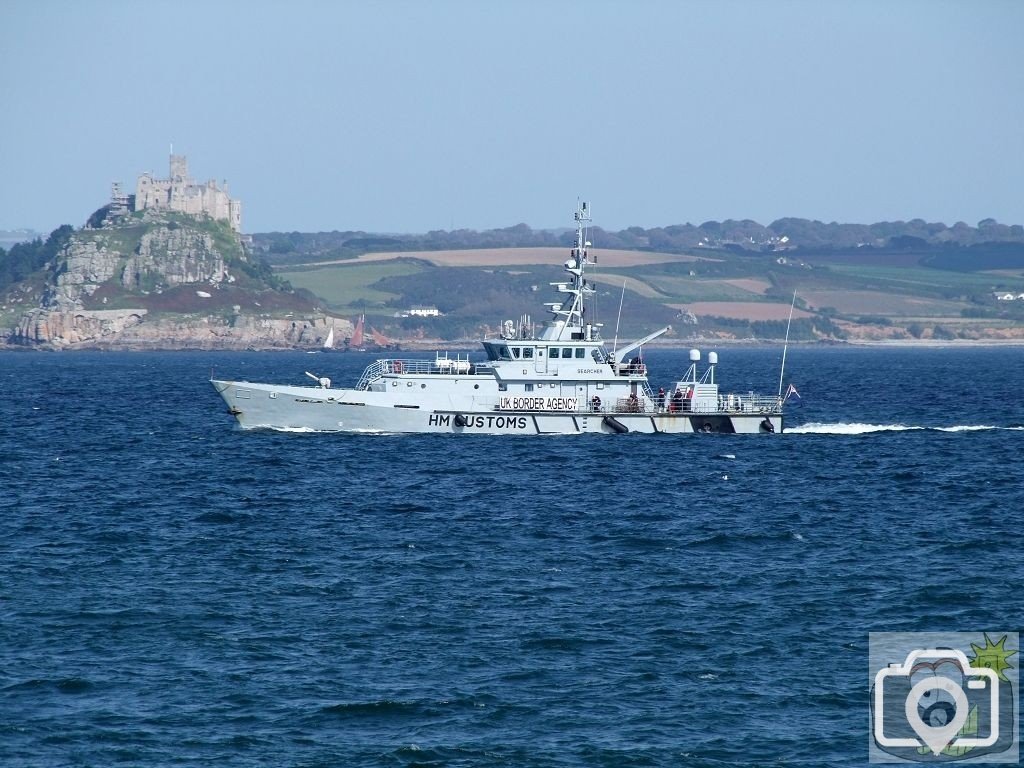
x=329 y=341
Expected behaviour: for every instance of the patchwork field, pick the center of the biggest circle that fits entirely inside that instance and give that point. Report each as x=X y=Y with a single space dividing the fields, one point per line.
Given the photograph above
x=466 y=285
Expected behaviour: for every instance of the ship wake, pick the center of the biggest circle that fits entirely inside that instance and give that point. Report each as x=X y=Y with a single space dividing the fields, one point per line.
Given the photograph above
x=858 y=428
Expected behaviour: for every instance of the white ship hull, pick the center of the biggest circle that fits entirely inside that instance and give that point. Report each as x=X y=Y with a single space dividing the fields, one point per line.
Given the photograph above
x=315 y=409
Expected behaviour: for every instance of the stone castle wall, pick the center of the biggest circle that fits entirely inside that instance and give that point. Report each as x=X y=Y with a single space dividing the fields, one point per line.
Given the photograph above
x=181 y=193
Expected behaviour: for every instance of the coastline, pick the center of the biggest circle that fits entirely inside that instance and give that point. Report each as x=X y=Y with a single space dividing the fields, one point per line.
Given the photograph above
x=420 y=346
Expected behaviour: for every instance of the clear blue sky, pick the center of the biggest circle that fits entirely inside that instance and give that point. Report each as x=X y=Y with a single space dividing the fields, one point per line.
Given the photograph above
x=411 y=116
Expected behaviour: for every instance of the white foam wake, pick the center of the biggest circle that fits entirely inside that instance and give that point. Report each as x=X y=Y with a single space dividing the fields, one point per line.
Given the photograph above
x=293 y=430
x=856 y=428
x=853 y=428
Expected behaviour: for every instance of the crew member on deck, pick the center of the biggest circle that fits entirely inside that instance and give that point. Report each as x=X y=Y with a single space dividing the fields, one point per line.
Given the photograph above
x=677 y=401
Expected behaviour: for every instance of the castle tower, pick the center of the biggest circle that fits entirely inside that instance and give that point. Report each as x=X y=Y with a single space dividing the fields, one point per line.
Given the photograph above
x=179 y=169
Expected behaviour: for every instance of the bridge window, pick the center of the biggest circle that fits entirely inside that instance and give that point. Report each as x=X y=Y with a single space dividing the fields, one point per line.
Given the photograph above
x=580 y=353
x=566 y=353
x=528 y=353
x=554 y=353
x=515 y=352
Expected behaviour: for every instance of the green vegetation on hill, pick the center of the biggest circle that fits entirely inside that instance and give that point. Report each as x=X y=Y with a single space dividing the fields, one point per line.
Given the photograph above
x=146 y=273
x=125 y=237
x=24 y=259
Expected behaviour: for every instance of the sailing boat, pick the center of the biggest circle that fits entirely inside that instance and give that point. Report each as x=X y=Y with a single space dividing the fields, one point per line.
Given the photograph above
x=355 y=344
x=329 y=341
x=379 y=338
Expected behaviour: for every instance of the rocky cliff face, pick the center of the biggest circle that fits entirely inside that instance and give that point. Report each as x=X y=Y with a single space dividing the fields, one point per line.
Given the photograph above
x=132 y=329
x=112 y=287
x=65 y=328
x=168 y=257
x=86 y=265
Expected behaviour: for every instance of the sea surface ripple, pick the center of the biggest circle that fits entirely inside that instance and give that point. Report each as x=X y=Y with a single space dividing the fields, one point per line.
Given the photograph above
x=174 y=591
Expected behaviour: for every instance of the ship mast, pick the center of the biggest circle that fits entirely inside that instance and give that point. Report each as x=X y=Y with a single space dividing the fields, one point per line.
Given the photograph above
x=571 y=310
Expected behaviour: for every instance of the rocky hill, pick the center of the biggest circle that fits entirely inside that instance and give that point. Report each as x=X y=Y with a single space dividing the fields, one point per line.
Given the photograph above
x=153 y=279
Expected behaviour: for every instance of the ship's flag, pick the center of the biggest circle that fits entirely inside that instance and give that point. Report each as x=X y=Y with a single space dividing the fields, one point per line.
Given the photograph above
x=792 y=391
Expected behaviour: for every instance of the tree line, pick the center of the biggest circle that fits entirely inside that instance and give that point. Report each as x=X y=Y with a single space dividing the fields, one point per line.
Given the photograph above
x=23 y=259
x=738 y=235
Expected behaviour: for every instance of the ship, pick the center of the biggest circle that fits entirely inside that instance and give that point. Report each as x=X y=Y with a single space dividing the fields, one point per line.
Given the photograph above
x=556 y=377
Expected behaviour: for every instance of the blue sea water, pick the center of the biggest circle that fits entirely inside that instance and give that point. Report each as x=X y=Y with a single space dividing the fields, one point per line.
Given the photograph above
x=174 y=591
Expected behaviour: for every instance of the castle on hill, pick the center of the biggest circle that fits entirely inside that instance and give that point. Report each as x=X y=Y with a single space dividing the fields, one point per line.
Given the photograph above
x=182 y=193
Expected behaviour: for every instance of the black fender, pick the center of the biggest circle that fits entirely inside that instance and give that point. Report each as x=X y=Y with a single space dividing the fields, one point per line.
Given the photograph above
x=615 y=425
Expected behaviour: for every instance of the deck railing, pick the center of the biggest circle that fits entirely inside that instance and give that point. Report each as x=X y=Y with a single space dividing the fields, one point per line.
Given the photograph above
x=646 y=402
x=439 y=367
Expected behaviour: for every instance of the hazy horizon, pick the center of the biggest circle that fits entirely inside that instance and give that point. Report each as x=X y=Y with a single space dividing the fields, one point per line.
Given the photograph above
x=405 y=117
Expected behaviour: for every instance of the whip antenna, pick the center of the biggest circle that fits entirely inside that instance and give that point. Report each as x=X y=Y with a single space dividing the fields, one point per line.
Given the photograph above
x=615 y=344
x=785 y=346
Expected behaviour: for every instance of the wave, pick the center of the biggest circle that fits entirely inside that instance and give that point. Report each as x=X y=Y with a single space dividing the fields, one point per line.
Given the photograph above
x=290 y=430
x=857 y=428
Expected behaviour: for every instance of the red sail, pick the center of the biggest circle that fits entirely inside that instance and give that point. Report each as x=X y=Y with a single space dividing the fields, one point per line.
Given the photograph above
x=357 y=334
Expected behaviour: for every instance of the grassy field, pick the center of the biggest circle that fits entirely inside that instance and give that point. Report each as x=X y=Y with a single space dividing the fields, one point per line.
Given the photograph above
x=681 y=289
x=348 y=285
x=636 y=285
x=879 y=303
x=909 y=278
